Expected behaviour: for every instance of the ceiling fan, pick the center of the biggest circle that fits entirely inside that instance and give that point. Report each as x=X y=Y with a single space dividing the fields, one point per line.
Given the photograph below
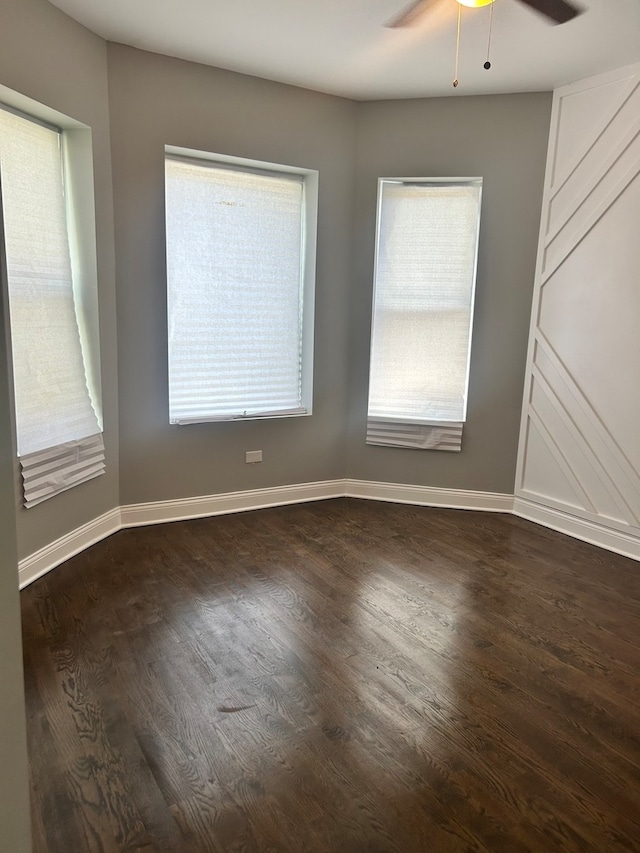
x=558 y=11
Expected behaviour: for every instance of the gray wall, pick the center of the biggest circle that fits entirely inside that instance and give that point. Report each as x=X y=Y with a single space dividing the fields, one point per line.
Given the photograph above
x=53 y=60
x=503 y=139
x=14 y=793
x=155 y=101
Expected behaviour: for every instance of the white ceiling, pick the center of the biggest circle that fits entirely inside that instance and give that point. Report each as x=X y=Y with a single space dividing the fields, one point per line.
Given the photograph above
x=342 y=46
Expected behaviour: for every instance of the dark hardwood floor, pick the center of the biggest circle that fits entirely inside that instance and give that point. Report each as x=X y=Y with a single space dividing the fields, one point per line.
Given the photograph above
x=341 y=676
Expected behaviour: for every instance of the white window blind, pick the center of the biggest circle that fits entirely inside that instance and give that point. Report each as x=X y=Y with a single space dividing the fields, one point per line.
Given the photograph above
x=423 y=305
x=235 y=280
x=58 y=433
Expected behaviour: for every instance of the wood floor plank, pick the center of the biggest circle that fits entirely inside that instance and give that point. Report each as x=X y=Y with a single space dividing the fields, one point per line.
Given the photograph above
x=336 y=677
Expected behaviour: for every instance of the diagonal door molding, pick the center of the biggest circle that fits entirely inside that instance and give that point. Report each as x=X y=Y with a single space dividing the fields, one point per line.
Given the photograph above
x=567 y=433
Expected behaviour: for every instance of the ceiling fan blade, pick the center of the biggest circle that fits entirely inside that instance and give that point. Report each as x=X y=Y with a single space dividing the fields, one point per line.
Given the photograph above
x=559 y=11
x=411 y=14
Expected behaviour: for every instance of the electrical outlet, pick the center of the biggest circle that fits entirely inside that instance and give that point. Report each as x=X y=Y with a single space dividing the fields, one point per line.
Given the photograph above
x=253 y=456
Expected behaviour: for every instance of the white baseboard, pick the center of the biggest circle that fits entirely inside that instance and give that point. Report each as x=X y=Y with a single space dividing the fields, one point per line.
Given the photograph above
x=158 y=512
x=429 y=496
x=47 y=558
x=580 y=528
x=181 y=509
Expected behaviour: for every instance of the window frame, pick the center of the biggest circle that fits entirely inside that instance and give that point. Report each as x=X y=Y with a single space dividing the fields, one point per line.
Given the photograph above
x=76 y=162
x=414 y=431
x=309 y=227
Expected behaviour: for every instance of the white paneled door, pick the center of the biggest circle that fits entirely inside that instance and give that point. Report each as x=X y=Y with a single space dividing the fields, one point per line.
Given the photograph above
x=580 y=438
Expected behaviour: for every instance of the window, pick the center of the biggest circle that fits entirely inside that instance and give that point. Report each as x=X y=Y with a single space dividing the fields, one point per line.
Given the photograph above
x=425 y=271
x=240 y=264
x=59 y=437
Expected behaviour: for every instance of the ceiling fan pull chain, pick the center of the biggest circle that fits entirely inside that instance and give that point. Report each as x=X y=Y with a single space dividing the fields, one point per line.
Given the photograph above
x=487 y=64
x=455 y=78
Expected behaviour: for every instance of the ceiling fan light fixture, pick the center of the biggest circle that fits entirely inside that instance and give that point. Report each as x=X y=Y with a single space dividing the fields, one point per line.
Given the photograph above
x=475 y=4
